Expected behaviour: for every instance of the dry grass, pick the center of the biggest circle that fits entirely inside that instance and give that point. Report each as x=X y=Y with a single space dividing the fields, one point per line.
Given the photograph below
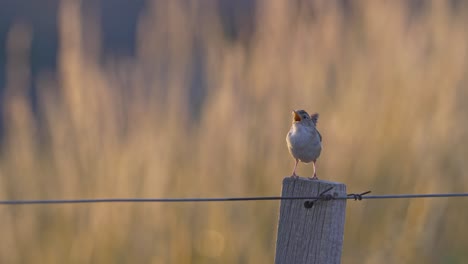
x=389 y=82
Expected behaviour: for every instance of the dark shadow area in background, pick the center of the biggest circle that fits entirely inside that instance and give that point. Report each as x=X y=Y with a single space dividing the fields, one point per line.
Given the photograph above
x=118 y=28
x=119 y=21
x=41 y=16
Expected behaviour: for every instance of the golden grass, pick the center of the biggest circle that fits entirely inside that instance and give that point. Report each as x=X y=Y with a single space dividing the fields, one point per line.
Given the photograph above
x=388 y=82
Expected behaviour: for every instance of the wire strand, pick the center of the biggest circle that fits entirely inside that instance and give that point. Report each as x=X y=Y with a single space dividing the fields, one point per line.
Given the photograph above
x=155 y=200
x=431 y=195
x=229 y=199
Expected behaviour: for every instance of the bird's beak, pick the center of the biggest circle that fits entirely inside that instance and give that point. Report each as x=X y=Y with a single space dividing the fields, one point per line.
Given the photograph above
x=297 y=117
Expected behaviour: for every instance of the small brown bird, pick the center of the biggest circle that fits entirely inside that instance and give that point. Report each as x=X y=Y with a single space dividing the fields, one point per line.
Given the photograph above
x=304 y=140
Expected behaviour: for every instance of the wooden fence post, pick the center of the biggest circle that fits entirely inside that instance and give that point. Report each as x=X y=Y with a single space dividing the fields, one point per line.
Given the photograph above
x=314 y=235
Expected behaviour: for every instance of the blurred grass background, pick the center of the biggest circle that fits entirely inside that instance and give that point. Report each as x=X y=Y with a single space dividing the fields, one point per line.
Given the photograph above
x=202 y=109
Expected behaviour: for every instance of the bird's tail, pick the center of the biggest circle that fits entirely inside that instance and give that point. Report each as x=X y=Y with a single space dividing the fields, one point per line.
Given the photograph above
x=314 y=118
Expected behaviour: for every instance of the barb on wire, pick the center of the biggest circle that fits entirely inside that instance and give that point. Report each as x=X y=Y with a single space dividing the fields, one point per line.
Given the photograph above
x=358 y=197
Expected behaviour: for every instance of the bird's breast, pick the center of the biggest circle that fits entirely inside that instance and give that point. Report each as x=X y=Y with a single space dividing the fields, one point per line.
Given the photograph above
x=304 y=143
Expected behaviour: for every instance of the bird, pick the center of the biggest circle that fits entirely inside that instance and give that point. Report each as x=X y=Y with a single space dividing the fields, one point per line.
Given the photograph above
x=304 y=140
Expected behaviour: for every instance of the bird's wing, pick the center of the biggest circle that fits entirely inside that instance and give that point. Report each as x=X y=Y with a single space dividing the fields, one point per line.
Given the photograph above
x=314 y=118
x=320 y=136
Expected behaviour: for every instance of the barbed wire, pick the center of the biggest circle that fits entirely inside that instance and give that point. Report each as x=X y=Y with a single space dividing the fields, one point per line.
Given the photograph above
x=322 y=197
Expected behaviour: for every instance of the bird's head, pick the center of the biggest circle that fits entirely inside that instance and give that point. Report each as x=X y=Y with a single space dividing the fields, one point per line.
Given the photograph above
x=300 y=115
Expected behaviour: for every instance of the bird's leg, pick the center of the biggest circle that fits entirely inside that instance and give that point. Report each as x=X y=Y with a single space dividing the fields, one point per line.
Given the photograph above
x=315 y=173
x=294 y=171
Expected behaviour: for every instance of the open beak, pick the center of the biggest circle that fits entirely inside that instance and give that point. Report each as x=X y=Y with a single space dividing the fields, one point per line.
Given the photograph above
x=297 y=117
